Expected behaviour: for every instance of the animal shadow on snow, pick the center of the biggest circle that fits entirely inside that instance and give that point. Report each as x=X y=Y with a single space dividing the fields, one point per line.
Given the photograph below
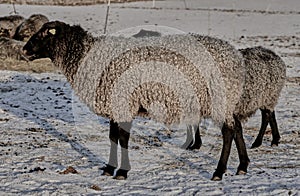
x=45 y=99
x=40 y=101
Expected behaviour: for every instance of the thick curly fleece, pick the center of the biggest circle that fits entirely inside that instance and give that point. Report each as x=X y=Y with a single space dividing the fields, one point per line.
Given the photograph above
x=265 y=78
x=176 y=78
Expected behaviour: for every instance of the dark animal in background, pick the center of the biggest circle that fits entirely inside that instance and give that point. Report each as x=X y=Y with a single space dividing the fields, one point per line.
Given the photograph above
x=30 y=26
x=9 y=24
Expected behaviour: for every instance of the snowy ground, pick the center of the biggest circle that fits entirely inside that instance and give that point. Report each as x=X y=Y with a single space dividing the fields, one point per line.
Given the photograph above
x=44 y=129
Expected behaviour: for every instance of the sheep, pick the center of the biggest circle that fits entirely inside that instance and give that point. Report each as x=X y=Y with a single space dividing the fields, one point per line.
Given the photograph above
x=265 y=78
x=30 y=26
x=108 y=74
x=10 y=48
x=4 y=33
x=9 y=24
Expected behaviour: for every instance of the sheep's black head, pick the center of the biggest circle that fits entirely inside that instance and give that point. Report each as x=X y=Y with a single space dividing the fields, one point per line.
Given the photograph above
x=46 y=42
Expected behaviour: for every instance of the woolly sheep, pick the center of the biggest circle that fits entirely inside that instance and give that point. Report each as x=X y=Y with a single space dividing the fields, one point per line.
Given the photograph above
x=9 y=24
x=30 y=26
x=95 y=67
x=265 y=78
x=10 y=48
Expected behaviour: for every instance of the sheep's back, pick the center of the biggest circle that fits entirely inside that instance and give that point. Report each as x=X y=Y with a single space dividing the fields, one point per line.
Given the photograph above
x=109 y=64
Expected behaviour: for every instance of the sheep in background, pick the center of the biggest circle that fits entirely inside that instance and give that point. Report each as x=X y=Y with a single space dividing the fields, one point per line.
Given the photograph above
x=20 y=29
x=30 y=26
x=9 y=24
x=79 y=56
x=265 y=78
x=10 y=48
x=4 y=32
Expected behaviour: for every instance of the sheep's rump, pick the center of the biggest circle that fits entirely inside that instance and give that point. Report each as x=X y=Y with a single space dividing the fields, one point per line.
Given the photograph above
x=176 y=78
x=265 y=78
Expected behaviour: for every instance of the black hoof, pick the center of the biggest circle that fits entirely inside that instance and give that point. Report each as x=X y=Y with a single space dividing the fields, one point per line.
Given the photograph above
x=217 y=176
x=187 y=145
x=256 y=144
x=274 y=143
x=194 y=147
x=242 y=169
x=121 y=174
x=241 y=172
x=108 y=170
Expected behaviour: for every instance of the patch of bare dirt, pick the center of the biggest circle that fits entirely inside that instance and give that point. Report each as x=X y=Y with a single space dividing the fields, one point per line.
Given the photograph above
x=65 y=3
x=239 y=11
x=69 y=170
x=293 y=80
x=287 y=42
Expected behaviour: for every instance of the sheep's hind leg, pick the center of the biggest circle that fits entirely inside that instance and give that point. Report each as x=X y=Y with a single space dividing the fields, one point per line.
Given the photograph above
x=265 y=118
x=124 y=130
x=274 y=128
x=189 y=138
x=191 y=142
x=241 y=147
x=228 y=134
x=114 y=136
x=198 y=142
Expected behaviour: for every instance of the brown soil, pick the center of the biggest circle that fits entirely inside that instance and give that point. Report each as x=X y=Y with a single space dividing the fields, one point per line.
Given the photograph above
x=69 y=170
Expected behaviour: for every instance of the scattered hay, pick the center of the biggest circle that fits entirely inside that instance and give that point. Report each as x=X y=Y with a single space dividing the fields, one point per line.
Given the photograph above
x=37 y=66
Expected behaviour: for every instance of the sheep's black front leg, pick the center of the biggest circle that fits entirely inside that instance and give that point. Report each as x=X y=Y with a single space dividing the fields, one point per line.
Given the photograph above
x=265 y=118
x=124 y=131
x=274 y=128
x=228 y=134
x=241 y=147
x=114 y=136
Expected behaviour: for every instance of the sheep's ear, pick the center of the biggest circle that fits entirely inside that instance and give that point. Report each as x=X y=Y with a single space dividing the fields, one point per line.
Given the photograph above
x=52 y=31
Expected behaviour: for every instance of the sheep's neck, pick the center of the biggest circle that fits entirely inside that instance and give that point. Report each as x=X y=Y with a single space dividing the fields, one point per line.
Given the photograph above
x=69 y=60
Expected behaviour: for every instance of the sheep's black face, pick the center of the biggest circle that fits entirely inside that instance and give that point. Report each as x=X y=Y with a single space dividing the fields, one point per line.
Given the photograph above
x=43 y=43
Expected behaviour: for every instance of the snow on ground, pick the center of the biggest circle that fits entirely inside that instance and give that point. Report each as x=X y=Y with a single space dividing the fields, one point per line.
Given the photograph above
x=44 y=129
